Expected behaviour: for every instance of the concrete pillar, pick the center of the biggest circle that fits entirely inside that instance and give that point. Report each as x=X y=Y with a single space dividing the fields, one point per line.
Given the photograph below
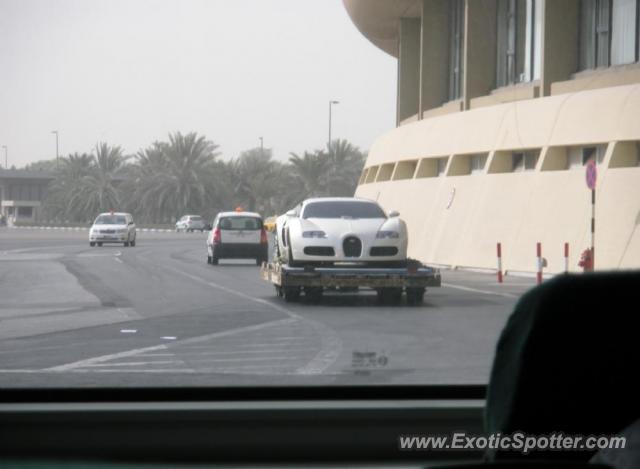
x=408 y=68
x=559 y=42
x=434 y=56
x=479 y=49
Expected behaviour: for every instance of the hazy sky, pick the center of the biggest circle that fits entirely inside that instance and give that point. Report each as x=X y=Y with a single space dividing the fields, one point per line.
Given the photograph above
x=129 y=71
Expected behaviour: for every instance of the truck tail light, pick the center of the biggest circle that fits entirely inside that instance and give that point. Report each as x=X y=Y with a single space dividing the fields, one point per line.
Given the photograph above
x=217 y=237
x=263 y=236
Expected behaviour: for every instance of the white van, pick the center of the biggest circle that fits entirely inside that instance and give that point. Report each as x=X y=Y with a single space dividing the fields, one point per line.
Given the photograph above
x=237 y=235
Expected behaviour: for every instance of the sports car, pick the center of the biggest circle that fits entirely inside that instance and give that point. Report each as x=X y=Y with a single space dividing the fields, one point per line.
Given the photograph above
x=340 y=230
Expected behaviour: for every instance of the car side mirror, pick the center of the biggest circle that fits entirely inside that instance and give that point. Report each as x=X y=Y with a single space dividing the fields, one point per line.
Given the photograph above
x=291 y=213
x=393 y=213
x=130 y=223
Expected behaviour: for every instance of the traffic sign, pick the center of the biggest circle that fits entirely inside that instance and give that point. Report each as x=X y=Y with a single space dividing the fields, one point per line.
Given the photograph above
x=591 y=174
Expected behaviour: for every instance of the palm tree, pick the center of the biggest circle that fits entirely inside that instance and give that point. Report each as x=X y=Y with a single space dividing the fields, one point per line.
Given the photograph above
x=98 y=189
x=65 y=200
x=310 y=171
x=346 y=162
x=175 y=176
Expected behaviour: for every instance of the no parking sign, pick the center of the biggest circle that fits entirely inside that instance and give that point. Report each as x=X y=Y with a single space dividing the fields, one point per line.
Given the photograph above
x=591 y=174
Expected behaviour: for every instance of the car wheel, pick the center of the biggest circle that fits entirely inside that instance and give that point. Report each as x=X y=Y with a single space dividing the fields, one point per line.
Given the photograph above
x=92 y=244
x=208 y=259
x=290 y=260
x=126 y=244
x=291 y=294
x=99 y=245
x=132 y=243
x=415 y=296
x=313 y=294
x=389 y=296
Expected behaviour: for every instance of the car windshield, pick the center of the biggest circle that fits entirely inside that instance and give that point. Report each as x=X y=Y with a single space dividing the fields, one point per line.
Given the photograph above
x=421 y=165
x=240 y=223
x=342 y=209
x=110 y=220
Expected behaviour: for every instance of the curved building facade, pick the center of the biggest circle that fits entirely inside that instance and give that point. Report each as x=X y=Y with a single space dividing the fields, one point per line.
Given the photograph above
x=501 y=106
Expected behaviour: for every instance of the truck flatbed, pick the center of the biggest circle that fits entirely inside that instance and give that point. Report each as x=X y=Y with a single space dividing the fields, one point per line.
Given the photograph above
x=389 y=283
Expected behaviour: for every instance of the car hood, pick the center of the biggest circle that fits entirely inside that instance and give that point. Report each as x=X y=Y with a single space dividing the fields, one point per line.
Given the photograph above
x=344 y=226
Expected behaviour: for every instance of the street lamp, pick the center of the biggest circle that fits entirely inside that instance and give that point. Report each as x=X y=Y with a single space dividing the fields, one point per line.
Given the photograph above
x=6 y=158
x=331 y=103
x=261 y=146
x=57 y=154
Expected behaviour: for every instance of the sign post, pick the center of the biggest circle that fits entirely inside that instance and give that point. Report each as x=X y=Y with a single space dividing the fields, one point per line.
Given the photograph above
x=591 y=178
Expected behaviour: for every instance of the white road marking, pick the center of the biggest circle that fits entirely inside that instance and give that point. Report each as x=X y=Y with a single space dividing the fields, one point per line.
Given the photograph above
x=169 y=337
x=128 y=331
x=331 y=344
x=117 y=259
x=131 y=353
x=476 y=290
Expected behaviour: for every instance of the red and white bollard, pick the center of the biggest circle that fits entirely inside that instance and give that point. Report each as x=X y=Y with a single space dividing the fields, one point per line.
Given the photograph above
x=566 y=258
x=499 y=251
x=539 y=259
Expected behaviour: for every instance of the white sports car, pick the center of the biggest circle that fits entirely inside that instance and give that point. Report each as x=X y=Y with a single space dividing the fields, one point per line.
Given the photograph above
x=337 y=230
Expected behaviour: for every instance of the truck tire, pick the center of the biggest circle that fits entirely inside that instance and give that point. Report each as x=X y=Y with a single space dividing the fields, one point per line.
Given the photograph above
x=415 y=296
x=313 y=294
x=389 y=295
x=291 y=294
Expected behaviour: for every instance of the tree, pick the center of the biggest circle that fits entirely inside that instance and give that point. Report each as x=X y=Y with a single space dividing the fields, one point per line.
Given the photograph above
x=346 y=162
x=174 y=177
x=310 y=173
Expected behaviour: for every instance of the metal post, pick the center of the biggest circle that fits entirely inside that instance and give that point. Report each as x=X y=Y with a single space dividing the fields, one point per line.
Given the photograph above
x=6 y=157
x=539 y=260
x=57 y=153
x=566 y=258
x=593 y=229
x=499 y=251
x=261 y=146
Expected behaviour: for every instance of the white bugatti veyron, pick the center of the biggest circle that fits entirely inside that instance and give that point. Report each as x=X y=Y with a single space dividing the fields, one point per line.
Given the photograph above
x=340 y=230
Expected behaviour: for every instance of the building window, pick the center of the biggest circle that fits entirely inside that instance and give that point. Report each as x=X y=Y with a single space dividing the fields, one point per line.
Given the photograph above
x=456 y=44
x=524 y=160
x=441 y=166
x=595 y=33
x=25 y=212
x=477 y=163
x=519 y=40
x=624 y=32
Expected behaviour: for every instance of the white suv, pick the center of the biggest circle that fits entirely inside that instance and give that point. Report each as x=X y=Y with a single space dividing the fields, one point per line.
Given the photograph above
x=113 y=227
x=237 y=235
x=190 y=223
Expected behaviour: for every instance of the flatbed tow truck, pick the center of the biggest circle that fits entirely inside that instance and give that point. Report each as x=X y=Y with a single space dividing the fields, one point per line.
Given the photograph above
x=388 y=282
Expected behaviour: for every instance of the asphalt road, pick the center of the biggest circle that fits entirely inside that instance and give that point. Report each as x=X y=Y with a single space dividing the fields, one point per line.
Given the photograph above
x=158 y=314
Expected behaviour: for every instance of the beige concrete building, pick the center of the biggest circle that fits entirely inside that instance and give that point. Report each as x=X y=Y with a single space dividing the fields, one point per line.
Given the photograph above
x=501 y=104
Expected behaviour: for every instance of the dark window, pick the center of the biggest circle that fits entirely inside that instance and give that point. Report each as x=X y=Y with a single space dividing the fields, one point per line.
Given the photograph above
x=240 y=223
x=343 y=209
x=456 y=46
x=25 y=212
x=511 y=41
x=595 y=33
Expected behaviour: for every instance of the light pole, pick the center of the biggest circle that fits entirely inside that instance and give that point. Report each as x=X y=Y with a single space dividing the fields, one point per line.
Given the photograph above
x=331 y=103
x=261 y=146
x=6 y=158
x=57 y=154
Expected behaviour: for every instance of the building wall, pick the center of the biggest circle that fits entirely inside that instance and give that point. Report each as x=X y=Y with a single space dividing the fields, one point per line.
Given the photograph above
x=458 y=219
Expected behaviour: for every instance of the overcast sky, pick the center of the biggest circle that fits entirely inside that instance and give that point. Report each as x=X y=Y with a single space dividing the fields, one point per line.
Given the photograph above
x=129 y=71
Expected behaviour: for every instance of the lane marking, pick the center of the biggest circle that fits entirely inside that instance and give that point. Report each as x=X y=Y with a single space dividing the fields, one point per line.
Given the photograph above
x=477 y=290
x=331 y=343
x=154 y=348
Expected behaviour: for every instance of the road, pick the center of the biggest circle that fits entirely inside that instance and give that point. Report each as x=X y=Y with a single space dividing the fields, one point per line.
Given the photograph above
x=159 y=315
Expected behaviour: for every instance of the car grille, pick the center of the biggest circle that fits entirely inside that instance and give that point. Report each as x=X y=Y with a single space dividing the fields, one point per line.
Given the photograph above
x=352 y=246
x=319 y=251
x=108 y=231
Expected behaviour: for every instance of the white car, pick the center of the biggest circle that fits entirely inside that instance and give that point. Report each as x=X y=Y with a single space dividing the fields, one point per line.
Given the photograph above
x=113 y=227
x=337 y=230
x=237 y=235
x=190 y=223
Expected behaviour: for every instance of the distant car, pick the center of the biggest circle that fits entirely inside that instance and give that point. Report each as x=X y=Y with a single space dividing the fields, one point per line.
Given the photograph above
x=335 y=230
x=191 y=223
x=113 y=227
x=237 y=235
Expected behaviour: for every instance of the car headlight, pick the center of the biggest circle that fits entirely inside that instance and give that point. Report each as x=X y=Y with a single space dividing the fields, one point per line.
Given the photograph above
x=387 y=235
x=314 y=234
